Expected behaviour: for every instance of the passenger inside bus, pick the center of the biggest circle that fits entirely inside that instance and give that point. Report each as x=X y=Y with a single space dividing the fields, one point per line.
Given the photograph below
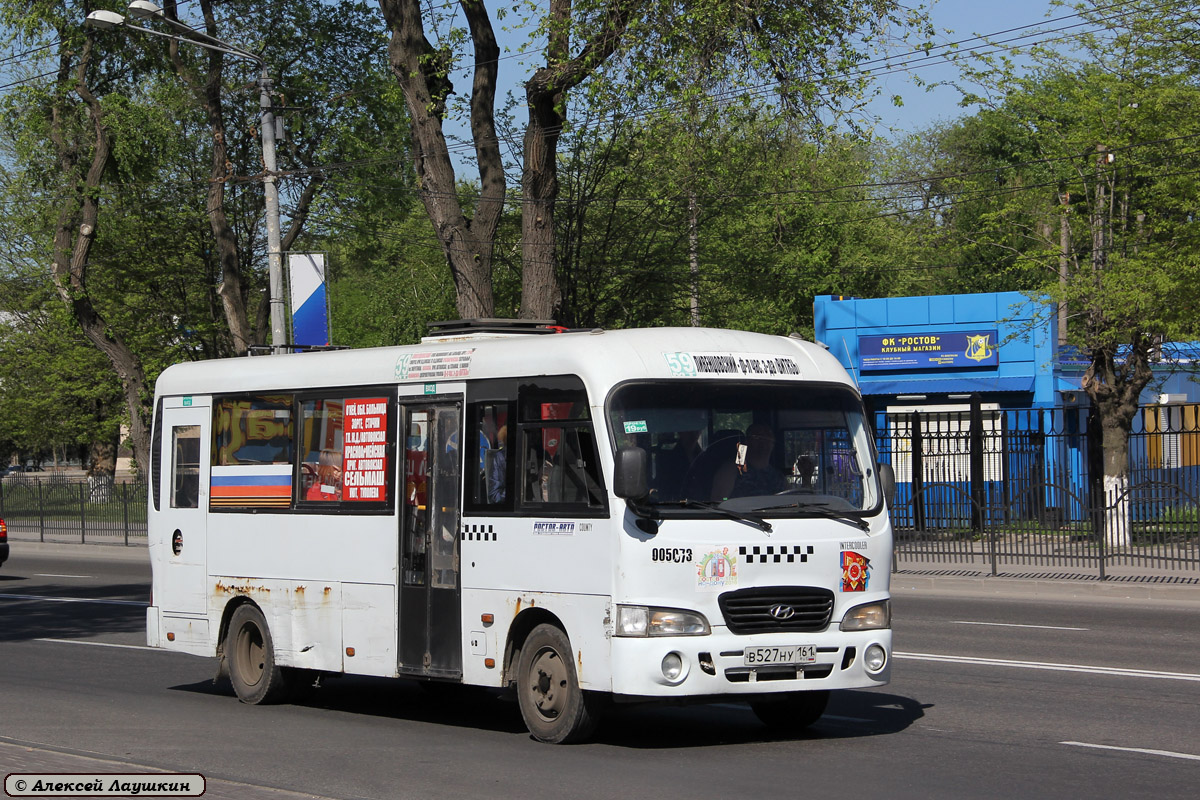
x=328 y=483
x=495 y=463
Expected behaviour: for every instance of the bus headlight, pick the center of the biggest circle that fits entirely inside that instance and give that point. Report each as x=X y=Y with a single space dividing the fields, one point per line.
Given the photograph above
x=868 y=617
x=650 y=621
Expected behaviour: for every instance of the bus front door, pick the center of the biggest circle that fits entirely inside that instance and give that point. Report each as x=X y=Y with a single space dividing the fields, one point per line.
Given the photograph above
x=430 y=641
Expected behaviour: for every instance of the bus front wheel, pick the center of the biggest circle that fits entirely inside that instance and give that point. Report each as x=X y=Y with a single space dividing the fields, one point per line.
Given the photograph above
x=553 y=706
x=255 y=676
x=790 y=713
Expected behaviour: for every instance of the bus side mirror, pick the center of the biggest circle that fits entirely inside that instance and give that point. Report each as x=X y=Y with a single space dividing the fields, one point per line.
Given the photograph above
x=887 y=481
x=631 y=480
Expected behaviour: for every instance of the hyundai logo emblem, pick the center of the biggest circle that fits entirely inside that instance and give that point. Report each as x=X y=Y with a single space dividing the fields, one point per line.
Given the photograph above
x=782 y=612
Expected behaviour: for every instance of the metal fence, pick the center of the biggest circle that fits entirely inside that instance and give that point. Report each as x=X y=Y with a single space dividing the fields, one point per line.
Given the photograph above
x=977 y=486
x=1025 y=487
x=58 y=508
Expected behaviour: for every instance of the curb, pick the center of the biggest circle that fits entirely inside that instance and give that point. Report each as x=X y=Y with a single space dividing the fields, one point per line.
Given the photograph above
x=115 y=551
x=1066 y=587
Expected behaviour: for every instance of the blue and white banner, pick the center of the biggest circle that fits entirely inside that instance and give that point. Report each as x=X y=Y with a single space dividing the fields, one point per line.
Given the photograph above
x=310 y=308
x=929 y=350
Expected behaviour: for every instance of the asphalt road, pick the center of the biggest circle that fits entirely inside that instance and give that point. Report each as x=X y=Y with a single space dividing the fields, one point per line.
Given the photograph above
x=997 y=696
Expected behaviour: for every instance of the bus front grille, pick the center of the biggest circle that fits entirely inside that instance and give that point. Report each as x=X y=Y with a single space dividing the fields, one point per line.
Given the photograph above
x=777 y=609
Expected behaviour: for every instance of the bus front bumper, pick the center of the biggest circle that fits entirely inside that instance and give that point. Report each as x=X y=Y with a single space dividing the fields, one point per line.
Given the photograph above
x=717 y=664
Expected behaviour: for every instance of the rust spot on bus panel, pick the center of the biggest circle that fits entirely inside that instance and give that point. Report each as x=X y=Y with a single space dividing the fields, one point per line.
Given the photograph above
x=300 y=589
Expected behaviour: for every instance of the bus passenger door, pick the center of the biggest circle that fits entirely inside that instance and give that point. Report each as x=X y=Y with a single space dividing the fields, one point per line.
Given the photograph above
x=430 y=639
x=183 y=511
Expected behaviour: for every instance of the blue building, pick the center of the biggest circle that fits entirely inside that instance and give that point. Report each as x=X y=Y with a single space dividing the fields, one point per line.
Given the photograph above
x=927 y=366
x=945 y=348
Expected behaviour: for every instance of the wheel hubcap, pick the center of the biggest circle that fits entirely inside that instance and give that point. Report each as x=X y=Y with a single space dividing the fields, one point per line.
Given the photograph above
x=250 y=651
x=548 y=683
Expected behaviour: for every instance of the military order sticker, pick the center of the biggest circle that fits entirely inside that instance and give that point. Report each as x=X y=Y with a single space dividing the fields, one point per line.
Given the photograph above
x=855 y=574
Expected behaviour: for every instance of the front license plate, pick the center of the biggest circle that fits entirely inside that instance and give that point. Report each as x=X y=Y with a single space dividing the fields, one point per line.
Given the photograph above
x=788 y=654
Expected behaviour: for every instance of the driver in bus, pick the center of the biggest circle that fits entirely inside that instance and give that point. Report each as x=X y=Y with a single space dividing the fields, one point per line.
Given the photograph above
x=750 y=472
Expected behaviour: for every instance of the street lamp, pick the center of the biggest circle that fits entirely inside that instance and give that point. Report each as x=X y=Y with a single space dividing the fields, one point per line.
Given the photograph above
x=143 y=9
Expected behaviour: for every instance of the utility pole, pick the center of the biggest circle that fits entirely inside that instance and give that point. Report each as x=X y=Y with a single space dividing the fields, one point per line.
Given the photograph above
x=1064 y=254
x=279 y=337
x=1100 y=215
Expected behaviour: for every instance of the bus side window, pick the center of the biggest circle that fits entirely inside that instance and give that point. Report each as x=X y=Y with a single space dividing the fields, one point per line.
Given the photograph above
x=491 y=477
x=253 y=430
x=581 y=476
x=185 y=467
x=322 y=443
x=253 y=440
x=561 y=467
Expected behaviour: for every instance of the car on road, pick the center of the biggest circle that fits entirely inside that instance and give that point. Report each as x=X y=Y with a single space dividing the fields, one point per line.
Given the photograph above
x=3 y=541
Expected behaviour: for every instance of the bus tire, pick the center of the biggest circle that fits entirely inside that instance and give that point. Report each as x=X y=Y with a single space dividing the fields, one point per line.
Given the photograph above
x=790 y=713
x=250 y=653
x=553 y=706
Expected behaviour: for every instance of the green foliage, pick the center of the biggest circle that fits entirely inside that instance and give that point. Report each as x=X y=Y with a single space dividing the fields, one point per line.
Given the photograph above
x=56 y=391
x=153 y=272
x=778 y=219
x=706 y=138
x=387 y=280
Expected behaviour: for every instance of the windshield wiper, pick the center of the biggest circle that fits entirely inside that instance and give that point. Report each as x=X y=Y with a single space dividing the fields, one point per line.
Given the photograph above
x=822 y=510
x=749 y=519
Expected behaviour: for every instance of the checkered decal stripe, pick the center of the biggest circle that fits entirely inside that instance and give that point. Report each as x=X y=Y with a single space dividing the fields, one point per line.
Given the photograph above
x=764 y=554
x=479 y=533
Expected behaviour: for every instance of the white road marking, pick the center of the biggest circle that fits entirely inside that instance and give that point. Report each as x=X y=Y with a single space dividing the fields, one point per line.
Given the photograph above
x=1167 y=753
x=102 y=644
x=1003 y=662
x=53 y=575
x=1017 y=625
x=73 y=600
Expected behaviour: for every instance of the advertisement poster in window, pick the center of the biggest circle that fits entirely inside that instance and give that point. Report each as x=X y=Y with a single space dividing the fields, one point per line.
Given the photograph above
x=364 y=466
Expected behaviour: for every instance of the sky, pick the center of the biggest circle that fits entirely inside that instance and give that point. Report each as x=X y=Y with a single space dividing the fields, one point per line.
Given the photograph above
x=965 y=18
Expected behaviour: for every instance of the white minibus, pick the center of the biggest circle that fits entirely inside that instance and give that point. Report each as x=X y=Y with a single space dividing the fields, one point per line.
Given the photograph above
x=582 y=517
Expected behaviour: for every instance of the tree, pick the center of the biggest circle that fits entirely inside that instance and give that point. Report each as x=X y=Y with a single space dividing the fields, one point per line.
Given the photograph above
x=770 y=216
x=1109 y=165
x=321 y=54
x=154 y=256
x=57 y=391
x=635 y=49
x=80 y=129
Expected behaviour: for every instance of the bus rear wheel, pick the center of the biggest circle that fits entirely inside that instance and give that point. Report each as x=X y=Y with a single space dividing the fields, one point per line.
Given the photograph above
x=553 y=706
x=790 y=713
x=250 y=653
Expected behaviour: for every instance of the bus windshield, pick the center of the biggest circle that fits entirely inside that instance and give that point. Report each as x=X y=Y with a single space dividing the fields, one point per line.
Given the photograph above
x=768 y=449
